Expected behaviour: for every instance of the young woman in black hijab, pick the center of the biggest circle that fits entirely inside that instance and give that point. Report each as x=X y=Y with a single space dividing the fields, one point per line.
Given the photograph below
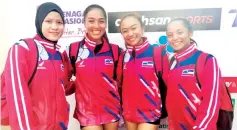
x=33 y=81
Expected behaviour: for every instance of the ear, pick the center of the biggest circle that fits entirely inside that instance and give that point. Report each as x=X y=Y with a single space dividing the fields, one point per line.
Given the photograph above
x=143 y=31
x=190 y=34
x=85 y=28
x=106 y=25
x=84 y=22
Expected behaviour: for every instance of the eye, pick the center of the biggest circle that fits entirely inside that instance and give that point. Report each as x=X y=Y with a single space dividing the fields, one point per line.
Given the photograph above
x=124 y=31
x=169 y=35
x=91 y=21
x=60 y=22
x=102 y=21
x=134 y=28
x=180 y=33
x=48 y=21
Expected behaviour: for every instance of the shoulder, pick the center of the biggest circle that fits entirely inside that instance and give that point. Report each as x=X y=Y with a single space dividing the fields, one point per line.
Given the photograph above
x=112 y=44
x=26 y=44
x=115 y=46
x=160 y=50
x=116 y=49
x=206 y=54
x=205 y=58
x=75 y=43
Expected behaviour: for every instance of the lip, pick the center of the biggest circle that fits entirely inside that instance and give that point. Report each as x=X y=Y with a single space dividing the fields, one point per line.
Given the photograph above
x=176 y=44
x=96 y=32
x=132 y=39
x=54 y=32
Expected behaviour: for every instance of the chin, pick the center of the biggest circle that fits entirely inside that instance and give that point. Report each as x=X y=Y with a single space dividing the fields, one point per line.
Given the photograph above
x=96 y=38
x=131 y=44
x=53 y=39
x=178 y=49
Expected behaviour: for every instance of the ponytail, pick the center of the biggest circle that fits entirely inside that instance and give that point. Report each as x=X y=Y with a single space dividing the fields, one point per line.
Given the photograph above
x=110 y=47
x=193 y=41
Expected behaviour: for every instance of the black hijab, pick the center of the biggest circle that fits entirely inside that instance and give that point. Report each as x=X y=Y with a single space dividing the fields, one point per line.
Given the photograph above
x=42 y=11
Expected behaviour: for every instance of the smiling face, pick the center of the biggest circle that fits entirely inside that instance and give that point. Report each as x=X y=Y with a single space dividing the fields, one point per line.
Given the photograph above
x=52 y=26
x=178 y=35
x=95 y=24
x=131 y=30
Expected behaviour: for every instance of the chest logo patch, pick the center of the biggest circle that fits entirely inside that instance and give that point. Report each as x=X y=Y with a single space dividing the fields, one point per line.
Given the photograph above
x=147 y=64
x=108 y=61
x=188 y=72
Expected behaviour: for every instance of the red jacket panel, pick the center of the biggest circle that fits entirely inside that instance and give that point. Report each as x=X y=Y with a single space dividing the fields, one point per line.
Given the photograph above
x=140 y=88
x=41 y=105
x=189 y=106
x=97 y=97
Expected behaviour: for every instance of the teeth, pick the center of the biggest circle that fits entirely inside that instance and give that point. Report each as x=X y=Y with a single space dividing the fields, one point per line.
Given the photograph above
x=131 y=39
x=176 y=43
x=96 y=32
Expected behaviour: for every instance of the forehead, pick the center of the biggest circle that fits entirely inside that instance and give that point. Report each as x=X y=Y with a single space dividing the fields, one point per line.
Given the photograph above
x=129 y=21
x=176 y=25
x=53 y=15
x=95 y=13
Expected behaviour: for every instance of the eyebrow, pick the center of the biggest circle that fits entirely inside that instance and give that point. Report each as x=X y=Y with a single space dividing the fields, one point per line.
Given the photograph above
x=175 y=31
x=130 y=27
x=179 y=30
x=95 y=18
x=133 y=25
x=52 y=19
x=169 y=32
x=48 y=18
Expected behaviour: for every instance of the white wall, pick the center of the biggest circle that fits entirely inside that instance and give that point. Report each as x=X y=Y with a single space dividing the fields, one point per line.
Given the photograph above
x=4 y=40
x=5 y=44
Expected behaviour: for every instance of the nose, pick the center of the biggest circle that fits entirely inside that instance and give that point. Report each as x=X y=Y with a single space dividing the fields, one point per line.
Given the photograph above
x=96 y=24
x=54 y=26
x=130 y=33
x=175 y=37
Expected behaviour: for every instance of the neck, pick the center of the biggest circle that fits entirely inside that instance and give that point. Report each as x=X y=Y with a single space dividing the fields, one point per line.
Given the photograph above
x=183 y=49
x=97 y=41
x=40 y=34
x=140 y=42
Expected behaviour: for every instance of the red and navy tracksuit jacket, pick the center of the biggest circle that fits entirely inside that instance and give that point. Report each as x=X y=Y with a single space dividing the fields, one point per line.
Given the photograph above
x=42 y=104
x=97 y=97
x=141 y=100
x=189 y=105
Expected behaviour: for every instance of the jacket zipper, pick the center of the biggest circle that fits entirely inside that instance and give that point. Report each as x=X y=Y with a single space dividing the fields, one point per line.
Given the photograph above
x=94 y=57
x=134 y=54
x=55 y=73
